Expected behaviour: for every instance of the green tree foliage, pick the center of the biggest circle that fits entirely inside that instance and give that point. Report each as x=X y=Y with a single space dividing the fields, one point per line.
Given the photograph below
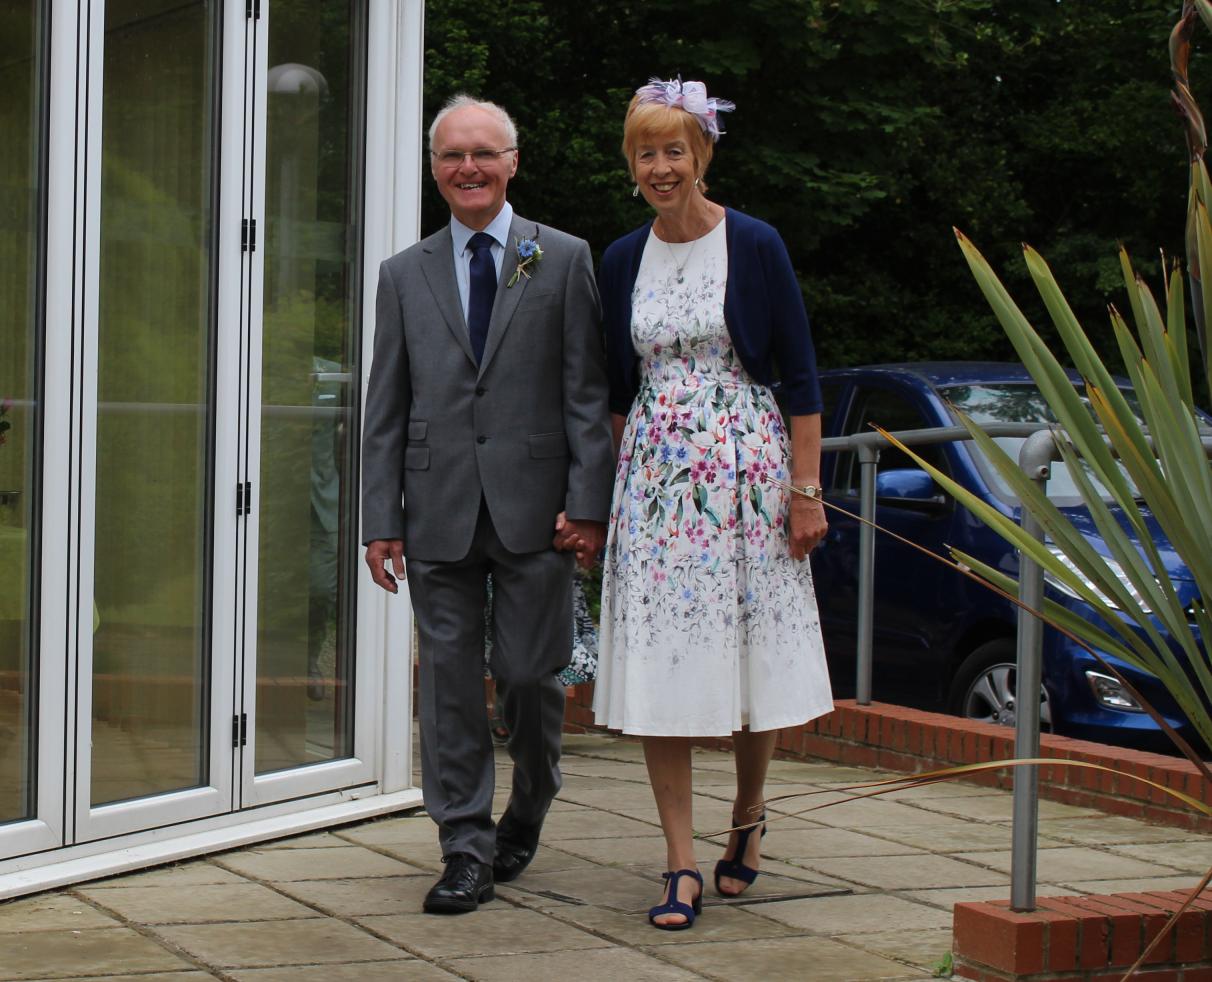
x=864 y=131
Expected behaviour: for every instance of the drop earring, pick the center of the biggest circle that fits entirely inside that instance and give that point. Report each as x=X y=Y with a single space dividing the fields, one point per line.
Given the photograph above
x=635 y=191
x=696 y=181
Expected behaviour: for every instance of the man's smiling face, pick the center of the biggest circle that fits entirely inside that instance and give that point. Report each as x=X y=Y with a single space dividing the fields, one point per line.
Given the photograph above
x=474 y=190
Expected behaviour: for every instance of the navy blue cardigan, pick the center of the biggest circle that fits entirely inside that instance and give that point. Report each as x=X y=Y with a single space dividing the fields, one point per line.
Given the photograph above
x=763 y=308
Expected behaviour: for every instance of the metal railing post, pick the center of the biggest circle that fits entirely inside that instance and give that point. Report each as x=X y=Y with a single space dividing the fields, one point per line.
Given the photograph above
x=868 y=457
x=1035 y=459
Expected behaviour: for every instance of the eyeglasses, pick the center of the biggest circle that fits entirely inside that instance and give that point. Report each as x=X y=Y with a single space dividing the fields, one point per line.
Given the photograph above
x=482 y=157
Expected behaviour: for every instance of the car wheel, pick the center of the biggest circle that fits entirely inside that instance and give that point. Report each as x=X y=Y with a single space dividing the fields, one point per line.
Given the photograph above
x=984 y=687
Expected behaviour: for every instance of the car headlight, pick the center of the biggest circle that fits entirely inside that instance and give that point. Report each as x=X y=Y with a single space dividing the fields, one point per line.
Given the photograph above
x=1110 y=692
x=1116 y=570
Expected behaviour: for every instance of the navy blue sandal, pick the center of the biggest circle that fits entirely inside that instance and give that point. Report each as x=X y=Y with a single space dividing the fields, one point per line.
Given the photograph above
x=675 y=906
x=733 y=868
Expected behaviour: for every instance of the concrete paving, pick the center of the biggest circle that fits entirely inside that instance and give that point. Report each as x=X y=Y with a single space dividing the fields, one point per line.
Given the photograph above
x=856 y=891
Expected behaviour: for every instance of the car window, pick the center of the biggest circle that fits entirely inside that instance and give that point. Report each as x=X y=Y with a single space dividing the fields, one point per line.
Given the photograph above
x=893 y=412
x=830 y=393
x=1022 y=402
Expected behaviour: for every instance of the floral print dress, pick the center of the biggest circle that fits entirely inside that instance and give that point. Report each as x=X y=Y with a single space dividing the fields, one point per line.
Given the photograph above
x=707 y=624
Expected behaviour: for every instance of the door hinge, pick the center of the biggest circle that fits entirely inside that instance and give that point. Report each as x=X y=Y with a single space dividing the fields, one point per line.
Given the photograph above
x=248 y=235
x=239 y=730
x=252 y=9
x=243 y=498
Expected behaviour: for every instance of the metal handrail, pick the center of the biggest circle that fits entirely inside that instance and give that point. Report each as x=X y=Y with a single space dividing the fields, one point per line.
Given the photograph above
x=868 y=446
x=1036 y=456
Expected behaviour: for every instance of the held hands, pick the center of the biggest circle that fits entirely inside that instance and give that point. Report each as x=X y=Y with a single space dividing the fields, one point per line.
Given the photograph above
x=583 y=537
x=807 y=525
x=378 y=552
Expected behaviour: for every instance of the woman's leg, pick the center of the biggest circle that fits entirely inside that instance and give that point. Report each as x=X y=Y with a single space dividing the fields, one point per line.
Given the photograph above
x=753 y=752
x=668 y=760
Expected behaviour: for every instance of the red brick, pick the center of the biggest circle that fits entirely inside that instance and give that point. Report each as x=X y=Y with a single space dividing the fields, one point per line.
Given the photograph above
x=1125 y=930
x=1199 y=974
x=1153 y=922
x=998 y=938
x=1093 y=938
x=1060 y=940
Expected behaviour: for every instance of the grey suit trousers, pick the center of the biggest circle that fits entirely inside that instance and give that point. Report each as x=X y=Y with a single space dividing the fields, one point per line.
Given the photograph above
x=532 y=641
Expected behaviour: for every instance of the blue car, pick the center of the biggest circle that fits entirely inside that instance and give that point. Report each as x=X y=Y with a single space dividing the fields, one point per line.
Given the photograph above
x=941 y=641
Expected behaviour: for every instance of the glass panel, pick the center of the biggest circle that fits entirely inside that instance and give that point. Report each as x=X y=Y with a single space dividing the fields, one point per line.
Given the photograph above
x=20 y=234
x=154 y=391
x=308 y=521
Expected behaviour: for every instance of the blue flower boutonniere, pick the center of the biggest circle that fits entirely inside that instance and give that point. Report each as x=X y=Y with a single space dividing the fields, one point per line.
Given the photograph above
x=529 y=255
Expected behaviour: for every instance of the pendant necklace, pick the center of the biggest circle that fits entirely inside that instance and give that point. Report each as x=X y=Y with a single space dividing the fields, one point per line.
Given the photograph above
x=679 y=268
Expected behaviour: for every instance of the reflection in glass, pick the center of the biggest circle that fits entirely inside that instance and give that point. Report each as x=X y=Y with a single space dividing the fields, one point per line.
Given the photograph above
x=154 y=391
x=308 y=437
x=1022 y=402
x=20 y=227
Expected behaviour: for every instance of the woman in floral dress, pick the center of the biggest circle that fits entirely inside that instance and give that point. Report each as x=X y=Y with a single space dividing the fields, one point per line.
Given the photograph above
x=709 y=623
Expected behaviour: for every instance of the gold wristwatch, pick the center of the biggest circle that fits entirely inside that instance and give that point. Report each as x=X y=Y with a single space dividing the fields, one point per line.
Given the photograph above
x=808 y=490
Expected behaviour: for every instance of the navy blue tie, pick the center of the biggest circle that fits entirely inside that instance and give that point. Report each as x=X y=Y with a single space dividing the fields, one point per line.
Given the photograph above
x=483 y=289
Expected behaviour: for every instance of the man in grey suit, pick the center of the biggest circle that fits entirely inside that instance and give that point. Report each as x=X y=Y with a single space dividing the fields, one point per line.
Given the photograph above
x=486 y=449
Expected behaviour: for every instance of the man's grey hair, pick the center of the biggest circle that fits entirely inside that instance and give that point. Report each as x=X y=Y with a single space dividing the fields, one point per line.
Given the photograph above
x=464 y=101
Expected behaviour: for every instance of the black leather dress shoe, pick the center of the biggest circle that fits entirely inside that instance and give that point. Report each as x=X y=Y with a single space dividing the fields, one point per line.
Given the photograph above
x=465 y=885
x=516 y=846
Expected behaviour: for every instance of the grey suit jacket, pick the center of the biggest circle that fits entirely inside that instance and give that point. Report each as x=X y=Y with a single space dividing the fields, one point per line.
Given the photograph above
x=528 y=428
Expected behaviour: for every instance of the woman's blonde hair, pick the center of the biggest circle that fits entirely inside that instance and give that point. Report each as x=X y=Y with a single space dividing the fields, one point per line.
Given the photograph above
x=647 y=121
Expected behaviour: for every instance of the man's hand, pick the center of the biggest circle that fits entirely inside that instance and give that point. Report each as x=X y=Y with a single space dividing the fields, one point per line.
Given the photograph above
x=378 y=552
x=583 y=537
x=807 y=526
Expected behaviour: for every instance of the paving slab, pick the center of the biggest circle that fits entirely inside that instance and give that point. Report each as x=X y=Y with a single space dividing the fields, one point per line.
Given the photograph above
x=183 y=876
x=409 y=970
x=186 y=976
x=204 y=903
x=637 y=851
x=914 y=871
x=1113 y=829
x=372 y=895
x=597 y=965
x=945 y=898
x=716 y=923
x=312 y=840
x=998 y=808
x=51 y=912
x=1072 y=862
x=615 y=889
x=586 y=823
x=874 y=813
x=787 y=960
x=498 y=929
x=277 y=943
x=1191 y=856
x=1139 y=885
x=64 y=954
x=924 y=950
x=337 y=863
x=783 y=842
x=856 y=914
x=952 y=837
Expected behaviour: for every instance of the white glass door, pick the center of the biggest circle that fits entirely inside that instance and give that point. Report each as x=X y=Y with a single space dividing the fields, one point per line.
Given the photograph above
x=308 y=720
x=155 y=628
x=30 y=717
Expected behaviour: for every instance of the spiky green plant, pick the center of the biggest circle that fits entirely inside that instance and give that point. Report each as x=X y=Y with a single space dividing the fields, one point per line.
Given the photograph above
x=1152 y=462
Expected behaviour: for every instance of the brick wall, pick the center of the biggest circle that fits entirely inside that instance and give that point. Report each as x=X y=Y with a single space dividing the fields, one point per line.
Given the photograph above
x=912 y=740
x=1090 y=939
